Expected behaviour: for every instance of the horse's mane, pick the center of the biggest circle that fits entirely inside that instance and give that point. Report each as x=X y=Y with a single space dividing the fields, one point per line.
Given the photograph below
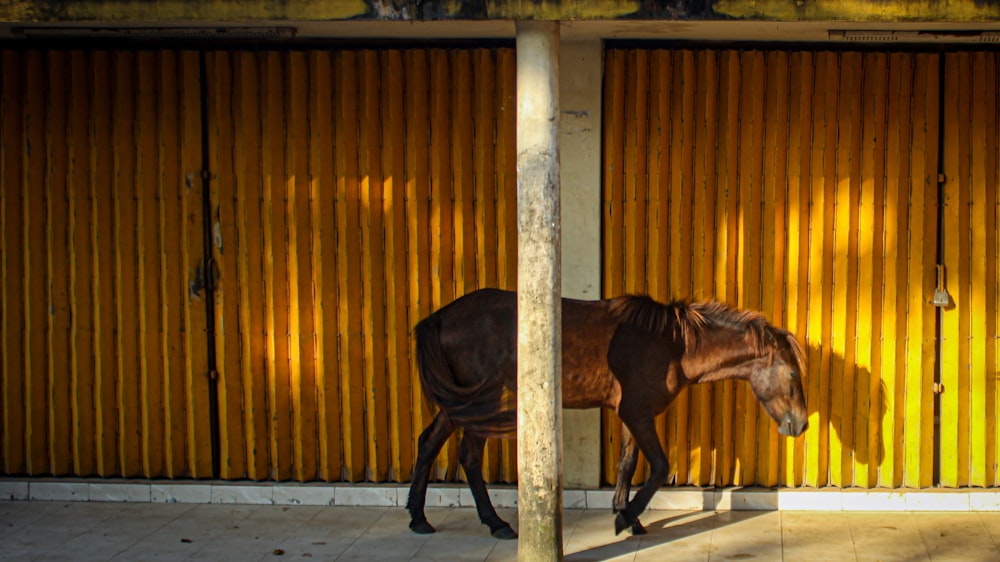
x=687 y=321
x=658 y=318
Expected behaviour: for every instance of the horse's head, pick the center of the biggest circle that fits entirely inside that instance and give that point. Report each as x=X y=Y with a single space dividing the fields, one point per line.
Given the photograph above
x=777 y=383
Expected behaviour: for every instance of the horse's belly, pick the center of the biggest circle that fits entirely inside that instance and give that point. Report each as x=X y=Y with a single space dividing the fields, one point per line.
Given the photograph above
x=589 y=390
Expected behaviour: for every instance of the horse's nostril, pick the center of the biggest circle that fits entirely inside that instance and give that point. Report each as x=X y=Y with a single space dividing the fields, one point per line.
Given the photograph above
x=792 y=426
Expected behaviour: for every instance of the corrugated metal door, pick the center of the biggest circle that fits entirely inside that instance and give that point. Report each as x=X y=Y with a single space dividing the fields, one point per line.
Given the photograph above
x=802 y=184
x=102 y=321
x=969 y=328
x=353 y=193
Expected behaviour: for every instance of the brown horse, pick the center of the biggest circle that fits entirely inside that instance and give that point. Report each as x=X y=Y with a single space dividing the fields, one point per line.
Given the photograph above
x=631 y=354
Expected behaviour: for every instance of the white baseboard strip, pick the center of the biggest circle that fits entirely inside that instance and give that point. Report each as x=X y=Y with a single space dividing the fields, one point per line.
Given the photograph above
x=457 y=495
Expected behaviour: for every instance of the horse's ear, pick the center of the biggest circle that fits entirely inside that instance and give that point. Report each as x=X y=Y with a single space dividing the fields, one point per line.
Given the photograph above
x=780 y=337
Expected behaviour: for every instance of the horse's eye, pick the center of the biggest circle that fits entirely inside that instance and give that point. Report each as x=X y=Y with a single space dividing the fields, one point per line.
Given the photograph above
x=794 y=374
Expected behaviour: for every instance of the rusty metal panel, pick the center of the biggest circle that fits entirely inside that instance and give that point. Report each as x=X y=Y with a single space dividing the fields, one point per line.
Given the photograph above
x=102 y=330
x=801 y=184
x=353 y=192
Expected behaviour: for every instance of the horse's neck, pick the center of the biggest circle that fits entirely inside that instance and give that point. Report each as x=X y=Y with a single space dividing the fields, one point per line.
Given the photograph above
x=720 y=355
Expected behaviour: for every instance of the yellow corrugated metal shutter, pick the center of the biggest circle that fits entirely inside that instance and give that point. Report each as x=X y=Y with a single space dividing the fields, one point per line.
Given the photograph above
x=102 y=324
x=969 y=329
x=801 y=184
x=353 y=193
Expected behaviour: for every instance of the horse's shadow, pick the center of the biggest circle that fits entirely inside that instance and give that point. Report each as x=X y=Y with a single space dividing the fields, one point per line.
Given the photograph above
x=851 y=409
x=694 y=528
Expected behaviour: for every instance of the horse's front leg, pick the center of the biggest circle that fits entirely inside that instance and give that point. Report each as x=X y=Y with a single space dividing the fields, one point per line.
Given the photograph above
x=428 y=447
x=643 y=431
x=471 y=457
x=626 y=470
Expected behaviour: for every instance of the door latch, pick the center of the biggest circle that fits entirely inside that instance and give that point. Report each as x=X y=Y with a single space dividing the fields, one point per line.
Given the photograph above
x=941 y=296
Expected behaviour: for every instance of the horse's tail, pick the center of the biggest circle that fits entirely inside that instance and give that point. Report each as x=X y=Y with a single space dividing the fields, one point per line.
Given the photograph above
x=482 y=409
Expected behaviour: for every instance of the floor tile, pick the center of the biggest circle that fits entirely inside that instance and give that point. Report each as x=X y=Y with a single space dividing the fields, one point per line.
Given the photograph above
x=503 y=551
x=808 y=535
x=593 y=538
x=344 y=522
x=161 y=547
x=82 y=531
x=314 y=547
x=747 y=534
x=457 y=546
x=395 y=548
x=956 y=536
x=991 y=521
x=678 y=536
x=882 y=536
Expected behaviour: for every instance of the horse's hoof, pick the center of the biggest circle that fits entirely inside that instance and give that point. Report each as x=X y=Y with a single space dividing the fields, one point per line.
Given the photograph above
x=620 y=523
x=504 y=533
x=637 y=529
x=422 y=527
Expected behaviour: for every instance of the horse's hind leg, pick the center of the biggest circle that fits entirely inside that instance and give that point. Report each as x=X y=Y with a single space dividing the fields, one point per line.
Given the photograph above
x=471 y=455
x=626 y=470
x=428 y=447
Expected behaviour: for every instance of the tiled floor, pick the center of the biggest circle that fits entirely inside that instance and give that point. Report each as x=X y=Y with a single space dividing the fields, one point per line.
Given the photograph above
x=81 y=531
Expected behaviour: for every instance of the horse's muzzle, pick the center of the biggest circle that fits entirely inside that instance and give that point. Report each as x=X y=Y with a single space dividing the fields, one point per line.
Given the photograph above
x=792 y=426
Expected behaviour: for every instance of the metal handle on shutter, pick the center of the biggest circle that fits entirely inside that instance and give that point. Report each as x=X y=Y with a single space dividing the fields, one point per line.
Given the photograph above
x=941 y=296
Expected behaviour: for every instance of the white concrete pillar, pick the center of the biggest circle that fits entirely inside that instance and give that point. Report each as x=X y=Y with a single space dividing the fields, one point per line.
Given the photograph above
x=539 y=285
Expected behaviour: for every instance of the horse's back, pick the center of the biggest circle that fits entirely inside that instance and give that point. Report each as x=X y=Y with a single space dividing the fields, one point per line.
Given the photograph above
x=478 y=332
x=478 y=335
x=480 y=309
